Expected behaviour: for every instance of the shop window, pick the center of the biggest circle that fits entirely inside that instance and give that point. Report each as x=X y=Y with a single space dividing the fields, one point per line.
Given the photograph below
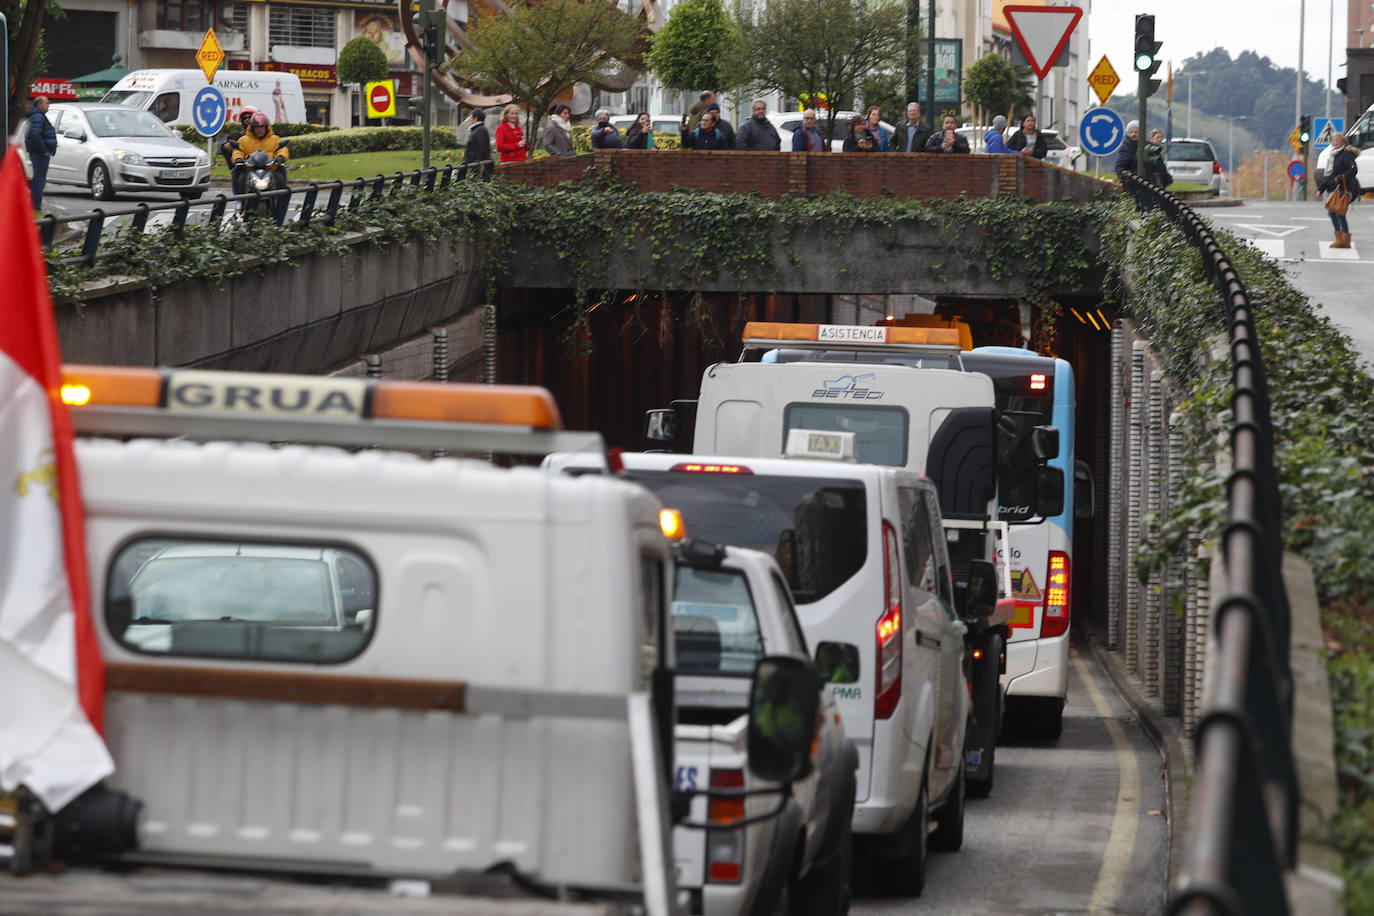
x=302 y=27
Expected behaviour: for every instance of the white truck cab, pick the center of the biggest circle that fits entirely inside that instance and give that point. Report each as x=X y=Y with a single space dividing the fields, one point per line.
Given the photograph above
x=862 y=550
x=373 y=665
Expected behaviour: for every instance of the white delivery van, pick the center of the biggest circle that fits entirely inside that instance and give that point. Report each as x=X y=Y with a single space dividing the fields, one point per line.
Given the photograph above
x=862 y=550
x=373 y=665
x=169 y=94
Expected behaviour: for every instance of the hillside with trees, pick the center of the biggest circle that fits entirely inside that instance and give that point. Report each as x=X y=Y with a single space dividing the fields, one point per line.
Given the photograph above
x=1249 y=87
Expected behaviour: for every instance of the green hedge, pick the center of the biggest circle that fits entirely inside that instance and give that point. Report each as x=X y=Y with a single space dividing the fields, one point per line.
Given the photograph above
x=191 y=135
x=372 y=140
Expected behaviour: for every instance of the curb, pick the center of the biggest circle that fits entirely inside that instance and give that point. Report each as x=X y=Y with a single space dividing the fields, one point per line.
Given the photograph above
x=1170 y=742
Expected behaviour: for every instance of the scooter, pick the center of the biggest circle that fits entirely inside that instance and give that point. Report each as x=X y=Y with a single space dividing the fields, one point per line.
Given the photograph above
x=262 y=177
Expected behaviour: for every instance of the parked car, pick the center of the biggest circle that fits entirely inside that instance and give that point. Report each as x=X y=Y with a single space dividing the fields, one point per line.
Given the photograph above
x=730 y=608
x=1195 y=161
x=663 y=125
x=113 y=148
x=1360 y=136
x=1060 y=153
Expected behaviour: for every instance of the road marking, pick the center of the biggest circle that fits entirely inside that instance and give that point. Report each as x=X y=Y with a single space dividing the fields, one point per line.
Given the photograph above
x=1271 y=247
x=1339 y=254
x=1313 y=219
x=1121 y=841
x=1269 y=228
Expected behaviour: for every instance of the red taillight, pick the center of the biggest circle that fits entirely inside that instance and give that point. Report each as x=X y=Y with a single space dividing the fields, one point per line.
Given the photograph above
x=1037 y=382
x=725 y=848
x=1216 y=167
x=889 y=631
x=695 y=468
x=1056 y=617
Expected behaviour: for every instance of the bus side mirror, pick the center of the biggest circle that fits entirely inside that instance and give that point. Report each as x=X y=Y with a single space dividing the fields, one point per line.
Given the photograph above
x=1084 y=492
x=660 y=425
x=1049 y=491
x=1045 y=444
x=784 y=703
x=980 y=596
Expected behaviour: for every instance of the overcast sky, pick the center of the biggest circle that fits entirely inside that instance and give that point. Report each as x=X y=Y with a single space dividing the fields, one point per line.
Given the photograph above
x=1187 y=27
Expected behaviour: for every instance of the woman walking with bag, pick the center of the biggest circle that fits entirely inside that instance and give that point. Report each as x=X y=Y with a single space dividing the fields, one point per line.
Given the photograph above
x=1343 y=186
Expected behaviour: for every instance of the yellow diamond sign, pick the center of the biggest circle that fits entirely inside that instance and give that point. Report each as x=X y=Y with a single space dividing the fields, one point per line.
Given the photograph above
x=1295 y=139
x=210 y=56
x=1104 y=80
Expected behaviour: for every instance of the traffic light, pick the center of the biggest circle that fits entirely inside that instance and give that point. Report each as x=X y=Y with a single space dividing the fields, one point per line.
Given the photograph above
x=431 y=24
x=1146 y=53
x=1305 y=130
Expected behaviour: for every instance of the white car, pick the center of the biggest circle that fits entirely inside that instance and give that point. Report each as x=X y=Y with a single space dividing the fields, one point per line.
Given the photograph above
x=1060 y=153
x=1360 y=136
x=113 y=148
x=730 y=608
x=862 y=549
x=1194 y=160
x=787 y=123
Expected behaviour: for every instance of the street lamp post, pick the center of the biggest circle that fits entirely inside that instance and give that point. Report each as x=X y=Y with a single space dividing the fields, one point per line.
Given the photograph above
x=1191 y=74
x=1231 y=146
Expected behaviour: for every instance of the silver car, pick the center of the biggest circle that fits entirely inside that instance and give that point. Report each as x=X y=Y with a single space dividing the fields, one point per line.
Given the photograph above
x=111 y=148
x=1195 y=161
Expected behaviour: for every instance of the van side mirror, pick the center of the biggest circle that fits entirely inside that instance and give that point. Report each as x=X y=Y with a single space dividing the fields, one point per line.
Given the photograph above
x=1084 y=490
x=1049 y=491
x=783 y=706
x=980 y=595
x=660 y=425
x=1045 y=444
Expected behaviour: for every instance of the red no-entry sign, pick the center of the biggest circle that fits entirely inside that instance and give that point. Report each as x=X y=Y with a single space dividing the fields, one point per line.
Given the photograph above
x=381 y=99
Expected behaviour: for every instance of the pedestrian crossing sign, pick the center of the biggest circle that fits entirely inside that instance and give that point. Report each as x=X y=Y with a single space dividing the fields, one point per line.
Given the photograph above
x=1324 y=128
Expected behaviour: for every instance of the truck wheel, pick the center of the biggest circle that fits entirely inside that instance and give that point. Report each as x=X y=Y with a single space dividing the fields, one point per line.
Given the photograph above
x=825 y=891
x=1051 y=718
x=949 y=820
x=907 y=876
x=982 y=788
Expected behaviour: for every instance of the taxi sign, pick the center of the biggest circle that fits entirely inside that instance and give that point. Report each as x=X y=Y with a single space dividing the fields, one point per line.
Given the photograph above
x=1104 y=80
x=381 y=99
x=210 y=55
x=812 y=443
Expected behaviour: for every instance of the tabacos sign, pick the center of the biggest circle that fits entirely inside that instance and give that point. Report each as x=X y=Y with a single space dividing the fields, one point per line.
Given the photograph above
x=312 y=76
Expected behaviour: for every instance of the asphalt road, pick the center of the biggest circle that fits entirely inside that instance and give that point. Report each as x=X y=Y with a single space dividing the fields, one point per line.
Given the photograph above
x=1299 y=236
x=1073 y=826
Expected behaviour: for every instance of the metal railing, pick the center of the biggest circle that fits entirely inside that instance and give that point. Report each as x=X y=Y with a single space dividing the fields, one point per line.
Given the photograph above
x=1246 y=797
x=311 y=208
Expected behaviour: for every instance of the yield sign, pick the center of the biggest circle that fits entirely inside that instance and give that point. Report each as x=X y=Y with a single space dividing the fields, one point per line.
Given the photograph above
x=1042 y=32
x=210 y=56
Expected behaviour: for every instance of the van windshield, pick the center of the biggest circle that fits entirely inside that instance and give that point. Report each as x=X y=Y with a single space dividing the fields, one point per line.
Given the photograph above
x=134 y=98
x=715 y=625
x=880 y=433
x=815 y=527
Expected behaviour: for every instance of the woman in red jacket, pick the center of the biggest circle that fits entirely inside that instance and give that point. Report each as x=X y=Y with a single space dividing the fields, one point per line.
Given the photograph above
x=510 y=138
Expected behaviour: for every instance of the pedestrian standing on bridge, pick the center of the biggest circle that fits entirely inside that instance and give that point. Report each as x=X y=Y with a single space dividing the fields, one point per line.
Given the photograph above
x=558 y=139
x=994 y=141
x=477 y=151
x=605 y=135
x=727 y=130
x=947 y=140
x=914 y=134
x=756 y=134
x=706 y=135
x=510 y=136
x=1028 y=141
x=640 y=134
x=693 y=117
x=808 y=138
x=40 y=143
x=875 y=127
x=1342 y=187
x=1158 y=171
x=1125 y=154
x=859 y=140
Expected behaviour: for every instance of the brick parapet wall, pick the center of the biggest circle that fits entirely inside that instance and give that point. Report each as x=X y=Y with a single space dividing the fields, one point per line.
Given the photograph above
x=919 y=176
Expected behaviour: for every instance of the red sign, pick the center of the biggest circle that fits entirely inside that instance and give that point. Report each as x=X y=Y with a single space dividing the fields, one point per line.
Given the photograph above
x=312 y=76
x=409 y=83
x=380 y=97
x=57 y=90
x=238 y=63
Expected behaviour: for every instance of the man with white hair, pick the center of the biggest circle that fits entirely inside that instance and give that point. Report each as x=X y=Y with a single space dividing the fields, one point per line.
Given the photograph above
x=808 y=138
x=604 y=134
x=914 y=134
x=756 y=133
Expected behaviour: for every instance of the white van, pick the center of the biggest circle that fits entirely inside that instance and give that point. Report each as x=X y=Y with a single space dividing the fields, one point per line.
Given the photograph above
x=862 y=550
x=373 y=665
x=169 y=94
x=1360 y=136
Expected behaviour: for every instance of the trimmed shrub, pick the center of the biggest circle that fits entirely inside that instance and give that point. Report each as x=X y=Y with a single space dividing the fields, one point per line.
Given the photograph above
x=191 y=135
x=372 y=140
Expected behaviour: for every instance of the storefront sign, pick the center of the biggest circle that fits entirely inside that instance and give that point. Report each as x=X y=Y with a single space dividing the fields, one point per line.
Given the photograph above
x=312 y=76
x=409 y=83
x=56 y=90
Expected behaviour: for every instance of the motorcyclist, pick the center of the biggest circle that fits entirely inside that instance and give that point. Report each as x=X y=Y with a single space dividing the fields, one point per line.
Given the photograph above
x=231 y=143
x=260 y=137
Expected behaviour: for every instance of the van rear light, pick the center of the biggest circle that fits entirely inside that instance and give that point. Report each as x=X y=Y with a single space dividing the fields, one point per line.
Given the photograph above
x=725 y=848
x=1055 y=620
x=889 y=631
x=1216 y=167
x=693 y=467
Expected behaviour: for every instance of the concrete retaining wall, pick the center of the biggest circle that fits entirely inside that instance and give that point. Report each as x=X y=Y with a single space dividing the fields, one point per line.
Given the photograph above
x=310 y=316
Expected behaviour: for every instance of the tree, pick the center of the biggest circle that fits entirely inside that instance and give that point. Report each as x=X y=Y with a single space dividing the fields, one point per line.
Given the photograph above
x=811 y=46
x=997 y=86
x=361 y=61
x=696 y=48
x=25 y=19
x=539 y=50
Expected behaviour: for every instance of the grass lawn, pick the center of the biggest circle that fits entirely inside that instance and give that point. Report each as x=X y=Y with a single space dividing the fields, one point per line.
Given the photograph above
x=1188 y=186
x=349 y=166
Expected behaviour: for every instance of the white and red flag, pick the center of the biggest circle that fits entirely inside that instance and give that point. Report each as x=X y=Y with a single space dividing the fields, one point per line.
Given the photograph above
x=51 y=673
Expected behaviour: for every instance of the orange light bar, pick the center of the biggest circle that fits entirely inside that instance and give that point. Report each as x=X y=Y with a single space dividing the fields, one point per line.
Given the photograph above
x=911 y=320
x=116 y=385
x=834 y=334
x=512 y=405
x=671 y=523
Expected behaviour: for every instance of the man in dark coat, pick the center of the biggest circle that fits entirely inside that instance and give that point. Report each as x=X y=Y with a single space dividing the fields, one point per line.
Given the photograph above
x=1125 y=154
x=478 y=148
x=706 y=135
x=947 y=140
x=727 y=130
x=40 y=143
x=756 y=133
x=912 y=136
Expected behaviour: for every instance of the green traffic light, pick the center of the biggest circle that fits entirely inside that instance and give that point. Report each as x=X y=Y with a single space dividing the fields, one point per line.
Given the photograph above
x=1144 y=62
x=1304 y=136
